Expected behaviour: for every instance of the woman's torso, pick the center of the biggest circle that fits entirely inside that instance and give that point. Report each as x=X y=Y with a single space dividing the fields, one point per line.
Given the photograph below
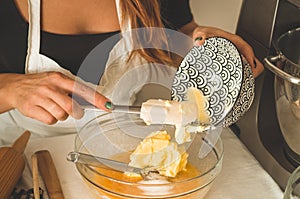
x=68 y=47
x=68 y=50
x=63 y=38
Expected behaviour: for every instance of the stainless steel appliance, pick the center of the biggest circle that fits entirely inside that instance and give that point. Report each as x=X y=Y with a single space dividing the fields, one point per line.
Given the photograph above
x=261 y=23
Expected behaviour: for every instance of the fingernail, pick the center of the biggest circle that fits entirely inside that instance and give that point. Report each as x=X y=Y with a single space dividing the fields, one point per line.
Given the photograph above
x=254 y=61
x=108 y=105
x=198 y=40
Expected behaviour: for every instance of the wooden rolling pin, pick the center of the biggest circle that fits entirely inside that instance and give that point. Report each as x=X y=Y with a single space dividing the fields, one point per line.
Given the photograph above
x=49 y=175
x=12 y=164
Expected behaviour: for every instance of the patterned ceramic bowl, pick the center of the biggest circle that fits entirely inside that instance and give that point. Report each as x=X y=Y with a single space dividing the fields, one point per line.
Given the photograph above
x=220 y=72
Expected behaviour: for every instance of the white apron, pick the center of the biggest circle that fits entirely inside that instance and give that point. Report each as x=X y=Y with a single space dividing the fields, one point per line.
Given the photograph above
x=120 y=82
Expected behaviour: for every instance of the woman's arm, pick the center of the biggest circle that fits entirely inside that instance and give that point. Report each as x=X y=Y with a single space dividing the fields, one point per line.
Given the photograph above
x=46 y=96
x=200 y=33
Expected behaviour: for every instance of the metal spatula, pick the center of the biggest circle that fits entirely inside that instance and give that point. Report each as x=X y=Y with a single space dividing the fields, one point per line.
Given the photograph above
x=117 y=108
x=78 y=157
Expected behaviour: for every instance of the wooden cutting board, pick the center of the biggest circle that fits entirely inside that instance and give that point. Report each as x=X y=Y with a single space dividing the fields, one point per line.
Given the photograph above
x=12 y=164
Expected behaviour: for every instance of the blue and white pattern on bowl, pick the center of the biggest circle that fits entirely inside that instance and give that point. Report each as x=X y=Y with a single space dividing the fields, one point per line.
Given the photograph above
x=217 y=69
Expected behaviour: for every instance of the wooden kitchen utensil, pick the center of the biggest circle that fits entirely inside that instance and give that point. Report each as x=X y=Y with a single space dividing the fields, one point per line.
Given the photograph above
x=12 y=164
x=35 y=176
x=49 y=175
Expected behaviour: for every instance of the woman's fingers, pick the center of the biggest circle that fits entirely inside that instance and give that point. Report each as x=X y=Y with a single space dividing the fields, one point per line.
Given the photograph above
x=200 y=34
x=56 y=111
x=90 y=95
x=46 y=96
x=257 y=68
x=42 y=115
x=199 y=38
x=65 y=103
x=80 y=89
x=42 y=108
x=69 y=86
x=247 y=51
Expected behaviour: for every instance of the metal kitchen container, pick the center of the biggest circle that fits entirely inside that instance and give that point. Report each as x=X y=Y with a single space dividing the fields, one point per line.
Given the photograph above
x=286 y=66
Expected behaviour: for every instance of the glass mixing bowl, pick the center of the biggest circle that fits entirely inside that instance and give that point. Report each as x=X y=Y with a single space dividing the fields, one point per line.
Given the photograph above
x=115 y=136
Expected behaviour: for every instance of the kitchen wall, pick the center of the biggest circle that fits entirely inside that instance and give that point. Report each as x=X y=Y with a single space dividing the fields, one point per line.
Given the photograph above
x=219 y=13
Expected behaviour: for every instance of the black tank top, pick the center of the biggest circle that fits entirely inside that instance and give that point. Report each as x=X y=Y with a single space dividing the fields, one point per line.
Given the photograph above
x=68 y=51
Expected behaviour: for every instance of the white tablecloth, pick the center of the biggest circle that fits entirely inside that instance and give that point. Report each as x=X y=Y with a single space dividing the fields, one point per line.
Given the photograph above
x=242 y=177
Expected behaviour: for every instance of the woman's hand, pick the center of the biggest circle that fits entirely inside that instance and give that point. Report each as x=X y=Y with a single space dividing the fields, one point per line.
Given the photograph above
x=200 y=33
x=46 y=96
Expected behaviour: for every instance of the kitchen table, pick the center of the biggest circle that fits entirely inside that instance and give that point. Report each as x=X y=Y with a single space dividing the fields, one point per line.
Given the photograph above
x=242 y=177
